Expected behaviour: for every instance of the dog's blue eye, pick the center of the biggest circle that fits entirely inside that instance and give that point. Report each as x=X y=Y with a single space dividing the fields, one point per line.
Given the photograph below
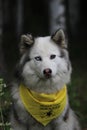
x=52 y=56
x=38 y=58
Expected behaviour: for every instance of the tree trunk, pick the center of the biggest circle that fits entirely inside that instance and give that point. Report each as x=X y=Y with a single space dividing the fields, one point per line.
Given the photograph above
x=19 y=17
x=2 y=63
x=74 y=16
x=57 y=17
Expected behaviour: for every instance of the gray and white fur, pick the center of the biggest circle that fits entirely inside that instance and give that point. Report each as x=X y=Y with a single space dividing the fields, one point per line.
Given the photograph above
x=44 y=67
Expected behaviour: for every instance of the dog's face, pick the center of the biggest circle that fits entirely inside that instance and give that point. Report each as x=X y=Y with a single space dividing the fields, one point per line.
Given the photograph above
x=45 y=62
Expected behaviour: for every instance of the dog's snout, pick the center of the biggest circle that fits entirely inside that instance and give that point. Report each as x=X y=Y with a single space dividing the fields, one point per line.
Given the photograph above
x=47 y=72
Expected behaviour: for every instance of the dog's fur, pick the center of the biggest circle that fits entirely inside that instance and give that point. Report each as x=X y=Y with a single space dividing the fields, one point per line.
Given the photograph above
x=44 y=67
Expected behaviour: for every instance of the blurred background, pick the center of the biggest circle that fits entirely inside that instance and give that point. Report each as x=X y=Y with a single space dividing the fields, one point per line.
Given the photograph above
x=41 y=18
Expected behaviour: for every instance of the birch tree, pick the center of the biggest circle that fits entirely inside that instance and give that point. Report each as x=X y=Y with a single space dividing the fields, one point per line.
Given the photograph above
x=57 y=17
x=64 y=14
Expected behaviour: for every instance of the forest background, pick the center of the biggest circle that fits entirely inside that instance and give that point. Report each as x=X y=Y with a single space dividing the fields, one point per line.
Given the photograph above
x=21 y=17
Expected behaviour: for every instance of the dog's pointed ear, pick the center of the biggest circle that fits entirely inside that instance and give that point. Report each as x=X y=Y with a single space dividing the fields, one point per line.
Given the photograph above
x=25 y=43
x=59 y=38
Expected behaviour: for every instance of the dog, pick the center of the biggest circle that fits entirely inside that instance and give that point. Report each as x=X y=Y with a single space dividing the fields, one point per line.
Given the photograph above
x=39 y=92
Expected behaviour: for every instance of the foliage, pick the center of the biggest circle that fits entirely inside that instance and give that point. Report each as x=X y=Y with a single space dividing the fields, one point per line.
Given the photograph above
x=78 y=91
x=4 y=106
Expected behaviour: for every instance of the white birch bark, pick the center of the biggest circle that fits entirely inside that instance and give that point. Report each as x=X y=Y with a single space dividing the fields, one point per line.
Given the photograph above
x=57 y=15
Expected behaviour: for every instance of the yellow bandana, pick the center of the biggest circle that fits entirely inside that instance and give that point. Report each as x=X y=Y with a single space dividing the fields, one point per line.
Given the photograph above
x=43 y=107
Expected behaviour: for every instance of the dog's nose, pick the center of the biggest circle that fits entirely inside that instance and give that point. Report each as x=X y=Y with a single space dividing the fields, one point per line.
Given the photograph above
x=47 y=72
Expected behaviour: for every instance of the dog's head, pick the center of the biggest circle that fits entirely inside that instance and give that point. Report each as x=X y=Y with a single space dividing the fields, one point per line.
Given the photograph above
x=45 y=65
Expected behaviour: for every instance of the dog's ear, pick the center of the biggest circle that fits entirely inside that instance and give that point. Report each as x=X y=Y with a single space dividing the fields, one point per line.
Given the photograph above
x=25 y=43
x=59 y=38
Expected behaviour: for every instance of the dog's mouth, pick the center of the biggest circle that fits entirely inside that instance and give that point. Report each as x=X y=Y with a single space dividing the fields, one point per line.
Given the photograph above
x=48 y=76
x=45 y=77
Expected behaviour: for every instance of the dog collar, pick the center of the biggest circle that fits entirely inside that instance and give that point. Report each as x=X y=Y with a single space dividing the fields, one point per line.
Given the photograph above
x=43 y=107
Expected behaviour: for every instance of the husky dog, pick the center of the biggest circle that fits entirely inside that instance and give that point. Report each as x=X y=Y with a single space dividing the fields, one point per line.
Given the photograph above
x=43 y=70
